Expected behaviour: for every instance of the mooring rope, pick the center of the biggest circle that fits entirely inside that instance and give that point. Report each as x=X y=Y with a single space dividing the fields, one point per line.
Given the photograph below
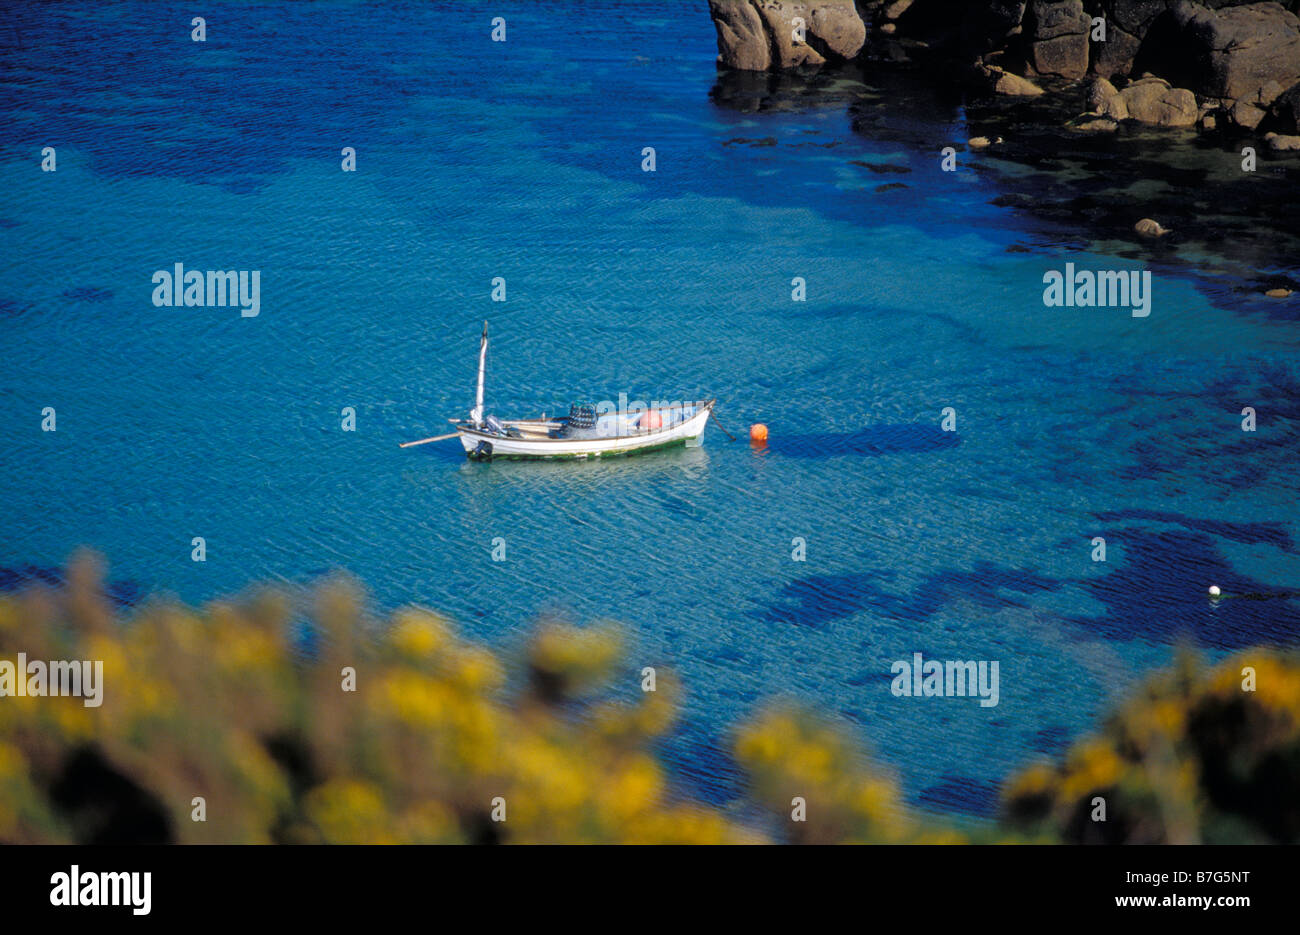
x=714 y=416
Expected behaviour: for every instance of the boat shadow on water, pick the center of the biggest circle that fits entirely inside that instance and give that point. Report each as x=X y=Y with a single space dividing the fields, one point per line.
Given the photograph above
x=872 y=441
x=636 y=467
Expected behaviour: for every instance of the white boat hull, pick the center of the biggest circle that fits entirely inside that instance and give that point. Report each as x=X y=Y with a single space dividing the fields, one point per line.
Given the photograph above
x=536 y=444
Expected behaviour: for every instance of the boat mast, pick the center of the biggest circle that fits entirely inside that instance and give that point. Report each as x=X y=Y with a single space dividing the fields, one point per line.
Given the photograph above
x=476 y=414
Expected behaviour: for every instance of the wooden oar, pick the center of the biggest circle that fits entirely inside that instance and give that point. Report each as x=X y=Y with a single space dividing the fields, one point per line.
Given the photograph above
x=425 y=441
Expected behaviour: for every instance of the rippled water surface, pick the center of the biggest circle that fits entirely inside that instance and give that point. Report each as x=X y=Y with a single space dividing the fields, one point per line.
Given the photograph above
x=523 y=160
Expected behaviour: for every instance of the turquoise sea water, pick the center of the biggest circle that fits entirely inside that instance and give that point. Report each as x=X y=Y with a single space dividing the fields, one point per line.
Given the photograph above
x=523 y=160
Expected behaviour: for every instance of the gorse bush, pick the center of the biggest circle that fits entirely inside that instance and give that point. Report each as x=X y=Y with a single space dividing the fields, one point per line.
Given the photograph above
x=246 y=706
x=1193 y=757
x=229 y=705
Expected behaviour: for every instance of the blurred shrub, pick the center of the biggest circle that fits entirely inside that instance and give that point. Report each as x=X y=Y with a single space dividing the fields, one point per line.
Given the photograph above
x=1193 y=757
x=244 y=705
x=228 y=705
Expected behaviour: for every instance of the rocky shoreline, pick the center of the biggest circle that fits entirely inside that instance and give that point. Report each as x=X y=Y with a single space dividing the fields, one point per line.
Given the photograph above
x=1219 y=66
x=1153 y=149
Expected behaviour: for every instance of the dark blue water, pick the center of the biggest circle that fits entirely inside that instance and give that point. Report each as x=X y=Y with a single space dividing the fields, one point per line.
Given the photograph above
x=523 y=160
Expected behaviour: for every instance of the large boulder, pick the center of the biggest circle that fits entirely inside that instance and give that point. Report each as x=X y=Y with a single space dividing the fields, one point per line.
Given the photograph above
x=1056 y=34
x=986 y=26
x=788 y=50
x=1127 y=22
x=742 y=35
x=759 y=35
x=995 y=80
x=1249 y=112
x=1152 y=100
x=1234 y=52
x=1282 y=144
x=1284 y=113
x=1100 y=97
x=836 y=28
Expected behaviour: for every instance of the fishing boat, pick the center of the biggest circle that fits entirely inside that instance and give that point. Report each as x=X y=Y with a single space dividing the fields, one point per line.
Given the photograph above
x=587 y=431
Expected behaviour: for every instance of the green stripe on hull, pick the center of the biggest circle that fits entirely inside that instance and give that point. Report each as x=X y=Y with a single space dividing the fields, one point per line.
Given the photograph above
x=679 y=443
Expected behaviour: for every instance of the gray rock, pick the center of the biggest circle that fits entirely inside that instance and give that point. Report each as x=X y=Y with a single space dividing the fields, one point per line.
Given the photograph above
x=1132 y=16
x=1100 y=97
x=1127 y=23
x=1250 y=111
x=1114 y=56
x=987 y=25
x=1001 y=81
x=1052 y=19
x=1247 y=115
x=1284 y=113
x=1281 y=143
x=1152 y=100
x=1057 y=35
x=1096 y=93
x=1093 y=123
x=1234 y=51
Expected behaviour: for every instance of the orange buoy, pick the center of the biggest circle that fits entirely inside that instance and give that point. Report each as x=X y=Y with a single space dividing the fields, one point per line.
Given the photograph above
x=758 y=433
x=652 y=420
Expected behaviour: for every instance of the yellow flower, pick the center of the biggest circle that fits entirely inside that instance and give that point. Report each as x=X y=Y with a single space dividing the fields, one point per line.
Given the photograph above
x=1092 y=766
x=348 y=811
x=418 y=634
